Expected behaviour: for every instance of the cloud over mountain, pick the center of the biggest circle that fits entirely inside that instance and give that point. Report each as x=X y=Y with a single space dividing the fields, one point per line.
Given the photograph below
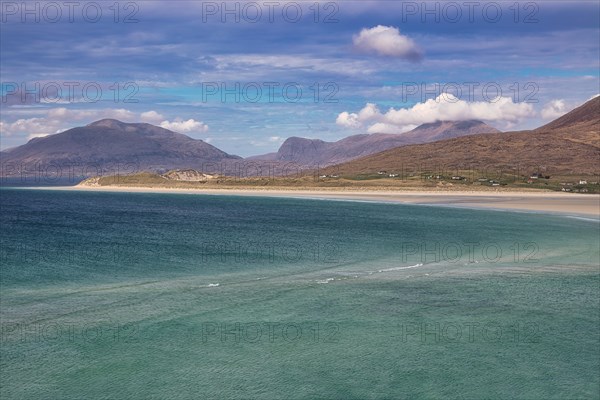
x=445 y=107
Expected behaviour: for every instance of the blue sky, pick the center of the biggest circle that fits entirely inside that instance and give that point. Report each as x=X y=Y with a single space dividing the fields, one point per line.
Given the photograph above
x=379 y=66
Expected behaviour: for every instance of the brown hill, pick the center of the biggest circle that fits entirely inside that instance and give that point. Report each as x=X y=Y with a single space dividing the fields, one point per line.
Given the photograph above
x=567 y=146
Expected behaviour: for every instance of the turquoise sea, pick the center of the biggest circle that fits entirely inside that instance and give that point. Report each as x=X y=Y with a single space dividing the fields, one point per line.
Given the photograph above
x=176 y=296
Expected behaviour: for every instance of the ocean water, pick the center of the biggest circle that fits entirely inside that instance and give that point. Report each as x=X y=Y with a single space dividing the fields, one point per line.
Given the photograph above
x=155 y=296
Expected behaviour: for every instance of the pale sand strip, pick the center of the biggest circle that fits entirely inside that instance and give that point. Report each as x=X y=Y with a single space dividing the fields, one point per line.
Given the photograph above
x=547 y=202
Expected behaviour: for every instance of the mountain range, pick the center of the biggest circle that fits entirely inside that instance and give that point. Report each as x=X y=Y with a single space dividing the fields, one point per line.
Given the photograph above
x=568 y=144
x=316 y=152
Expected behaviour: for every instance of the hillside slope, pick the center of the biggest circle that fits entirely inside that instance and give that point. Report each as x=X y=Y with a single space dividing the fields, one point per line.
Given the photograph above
x=568 y=145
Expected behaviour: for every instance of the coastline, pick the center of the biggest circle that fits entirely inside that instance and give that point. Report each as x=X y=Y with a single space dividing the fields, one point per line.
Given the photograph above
x=570 y=204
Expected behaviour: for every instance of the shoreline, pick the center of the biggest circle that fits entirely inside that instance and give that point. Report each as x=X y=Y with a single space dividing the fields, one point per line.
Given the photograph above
x=569 y=204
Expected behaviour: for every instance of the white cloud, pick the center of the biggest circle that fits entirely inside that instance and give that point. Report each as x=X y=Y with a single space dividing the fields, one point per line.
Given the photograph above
x=445 y=107
x=20 y=126
x=348 y=120
x=381 y=127
x=386 y=41
x=353 y=120
x=554 y=109
x=190 y=125
x=151 y=117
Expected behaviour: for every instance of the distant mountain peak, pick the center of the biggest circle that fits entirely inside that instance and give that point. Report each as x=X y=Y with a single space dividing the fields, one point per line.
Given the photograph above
x=318 y=152
x=108 y=123
x=110 y=145
x=466 y=123
x=439 y=130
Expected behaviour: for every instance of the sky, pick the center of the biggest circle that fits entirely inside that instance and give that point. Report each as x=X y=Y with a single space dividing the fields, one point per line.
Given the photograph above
x=246 y=75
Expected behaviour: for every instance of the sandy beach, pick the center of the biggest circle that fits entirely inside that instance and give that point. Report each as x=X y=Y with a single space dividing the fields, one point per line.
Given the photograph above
x=584 y=205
